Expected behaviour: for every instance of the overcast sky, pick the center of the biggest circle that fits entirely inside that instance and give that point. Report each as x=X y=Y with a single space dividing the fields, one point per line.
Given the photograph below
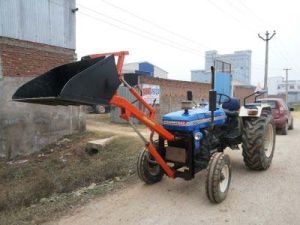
x=174 y=34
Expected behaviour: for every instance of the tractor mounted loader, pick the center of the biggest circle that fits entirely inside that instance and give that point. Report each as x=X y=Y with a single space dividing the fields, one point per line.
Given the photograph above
x=189 y=140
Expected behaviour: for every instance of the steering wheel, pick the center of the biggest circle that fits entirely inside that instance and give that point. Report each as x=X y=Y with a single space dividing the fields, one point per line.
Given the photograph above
x=227 y=98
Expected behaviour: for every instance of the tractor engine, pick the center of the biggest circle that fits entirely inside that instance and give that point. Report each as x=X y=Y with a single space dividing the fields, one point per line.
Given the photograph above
x=194 y=140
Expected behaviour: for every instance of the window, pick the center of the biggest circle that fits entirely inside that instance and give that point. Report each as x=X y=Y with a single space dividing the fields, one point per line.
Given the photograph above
x=292 y=86
x=284 y=105
x=272 y=103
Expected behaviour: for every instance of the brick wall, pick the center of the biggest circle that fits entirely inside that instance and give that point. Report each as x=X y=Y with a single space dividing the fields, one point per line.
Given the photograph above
x=26 y=128
x=241 y=91
x=24 y=58
x=172 y=92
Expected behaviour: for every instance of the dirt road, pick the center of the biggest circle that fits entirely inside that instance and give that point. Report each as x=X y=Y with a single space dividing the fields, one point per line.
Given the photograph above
x=101 y=122
x=269 y=197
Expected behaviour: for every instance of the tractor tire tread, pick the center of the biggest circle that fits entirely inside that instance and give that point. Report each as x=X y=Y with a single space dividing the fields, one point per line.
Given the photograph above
x=213 y=176
x=142 y=172
x=253 y=143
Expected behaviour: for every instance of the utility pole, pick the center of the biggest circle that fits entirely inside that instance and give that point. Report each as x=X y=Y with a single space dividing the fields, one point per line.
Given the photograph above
x=267 y=39
x=286 y=84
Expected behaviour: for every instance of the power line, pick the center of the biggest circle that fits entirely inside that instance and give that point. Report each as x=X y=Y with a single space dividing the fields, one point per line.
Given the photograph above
x=154 y=24
x=245 y=26
x=141 y=35
x=259 y=19
x=267 y=39
x=252 y=12
x=286 y=55
x=281 y=52
x=153 y=37
x=286 y=83
x=139 y=29
x=176 y=45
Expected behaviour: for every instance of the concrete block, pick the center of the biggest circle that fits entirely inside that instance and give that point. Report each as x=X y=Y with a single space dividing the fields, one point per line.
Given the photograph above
x=96 y=146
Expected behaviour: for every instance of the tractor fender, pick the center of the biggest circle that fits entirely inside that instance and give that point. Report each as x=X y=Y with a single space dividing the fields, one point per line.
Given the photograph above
x=255 y=110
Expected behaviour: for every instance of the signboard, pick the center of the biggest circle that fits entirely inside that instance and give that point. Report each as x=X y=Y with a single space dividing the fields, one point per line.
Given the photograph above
x=151 y=92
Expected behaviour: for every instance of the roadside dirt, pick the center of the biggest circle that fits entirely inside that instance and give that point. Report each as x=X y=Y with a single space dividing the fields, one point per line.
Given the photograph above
x=101 y=122
x=47 y=184
x=268 y=197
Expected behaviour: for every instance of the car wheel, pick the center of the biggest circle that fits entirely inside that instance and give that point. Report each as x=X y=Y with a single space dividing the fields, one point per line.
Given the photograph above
x=284 y=129
x=291 y=126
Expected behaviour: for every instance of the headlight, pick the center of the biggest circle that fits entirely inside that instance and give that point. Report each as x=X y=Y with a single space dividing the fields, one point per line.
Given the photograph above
x=197 y=136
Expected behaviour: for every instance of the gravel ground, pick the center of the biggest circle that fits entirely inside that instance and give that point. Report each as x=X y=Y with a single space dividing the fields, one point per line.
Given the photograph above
x=268 y=197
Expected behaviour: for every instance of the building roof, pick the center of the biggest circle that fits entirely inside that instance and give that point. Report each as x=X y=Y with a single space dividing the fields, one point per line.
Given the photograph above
x=139 y=62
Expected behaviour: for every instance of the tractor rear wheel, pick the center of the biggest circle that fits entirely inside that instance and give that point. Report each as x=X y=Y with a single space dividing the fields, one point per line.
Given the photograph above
x=218 y=177
x=258 y=142
x=148 y=169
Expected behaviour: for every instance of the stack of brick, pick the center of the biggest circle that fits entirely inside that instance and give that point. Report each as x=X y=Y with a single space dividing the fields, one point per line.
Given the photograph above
x=26 y=128
x=24 y=58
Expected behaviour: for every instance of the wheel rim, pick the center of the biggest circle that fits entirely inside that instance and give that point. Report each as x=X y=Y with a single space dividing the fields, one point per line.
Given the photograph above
x=224 y=178
x=152 y=167
x=269 y=140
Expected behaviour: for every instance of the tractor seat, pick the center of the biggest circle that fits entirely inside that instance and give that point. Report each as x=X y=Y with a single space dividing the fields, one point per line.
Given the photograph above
x=232 y=107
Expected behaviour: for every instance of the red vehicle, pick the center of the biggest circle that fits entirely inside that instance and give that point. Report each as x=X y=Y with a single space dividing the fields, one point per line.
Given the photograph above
x=281 y=113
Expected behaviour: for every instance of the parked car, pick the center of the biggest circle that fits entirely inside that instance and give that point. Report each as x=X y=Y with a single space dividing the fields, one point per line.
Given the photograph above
x=281 y=113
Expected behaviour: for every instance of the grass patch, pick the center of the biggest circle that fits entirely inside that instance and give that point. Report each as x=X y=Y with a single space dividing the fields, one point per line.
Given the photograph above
x=61 y=168
x=54 y=206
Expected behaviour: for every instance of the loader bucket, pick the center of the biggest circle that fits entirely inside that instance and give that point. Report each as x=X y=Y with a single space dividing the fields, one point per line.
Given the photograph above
x=86 y=82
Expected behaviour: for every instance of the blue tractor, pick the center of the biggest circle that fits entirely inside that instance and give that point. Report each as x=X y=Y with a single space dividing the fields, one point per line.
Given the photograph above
x=203 y=133
x=190 y=140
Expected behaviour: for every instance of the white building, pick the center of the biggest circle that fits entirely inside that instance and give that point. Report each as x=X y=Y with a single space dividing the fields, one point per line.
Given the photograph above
x=240 y=66
x=145 y=68
x=273 y=83
x=277 y=86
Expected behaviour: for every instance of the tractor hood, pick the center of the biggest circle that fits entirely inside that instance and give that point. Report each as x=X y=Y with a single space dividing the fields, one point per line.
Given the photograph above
x=196 y=118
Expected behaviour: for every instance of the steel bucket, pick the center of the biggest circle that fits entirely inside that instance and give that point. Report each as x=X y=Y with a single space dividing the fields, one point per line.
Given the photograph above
x=86 y=82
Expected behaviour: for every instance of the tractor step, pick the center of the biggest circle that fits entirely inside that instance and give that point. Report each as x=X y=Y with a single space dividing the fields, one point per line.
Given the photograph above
x=86 y=82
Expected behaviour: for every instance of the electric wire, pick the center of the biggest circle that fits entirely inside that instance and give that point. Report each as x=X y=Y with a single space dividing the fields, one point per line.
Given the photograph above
x=139 y=29
x=154 y=24
x=158 y=38
x=141 y=33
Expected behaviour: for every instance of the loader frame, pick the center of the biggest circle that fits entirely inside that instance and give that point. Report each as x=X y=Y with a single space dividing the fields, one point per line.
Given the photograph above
x=128 y=110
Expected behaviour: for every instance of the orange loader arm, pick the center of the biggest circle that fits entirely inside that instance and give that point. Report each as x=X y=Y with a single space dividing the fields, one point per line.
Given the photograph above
x=128 y=110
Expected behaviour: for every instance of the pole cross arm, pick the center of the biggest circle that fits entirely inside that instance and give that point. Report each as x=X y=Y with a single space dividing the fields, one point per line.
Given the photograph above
x=272 y=35
x=261 y=37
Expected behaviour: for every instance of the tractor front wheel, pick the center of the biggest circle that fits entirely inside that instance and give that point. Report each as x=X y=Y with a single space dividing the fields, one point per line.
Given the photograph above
x=258 y=142
x=218 y=177
x=149 y=171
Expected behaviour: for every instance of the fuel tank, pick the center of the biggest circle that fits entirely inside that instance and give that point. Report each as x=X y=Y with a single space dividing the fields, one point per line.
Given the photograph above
x=192 y=120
